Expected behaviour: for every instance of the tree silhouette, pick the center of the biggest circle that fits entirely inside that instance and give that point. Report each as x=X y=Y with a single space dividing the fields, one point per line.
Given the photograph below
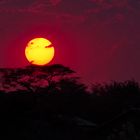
x=129 y=87
x=57 y=97
x=32 y=78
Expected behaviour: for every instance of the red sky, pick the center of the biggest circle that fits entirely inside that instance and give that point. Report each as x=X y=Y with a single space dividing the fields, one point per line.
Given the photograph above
x=100 y=39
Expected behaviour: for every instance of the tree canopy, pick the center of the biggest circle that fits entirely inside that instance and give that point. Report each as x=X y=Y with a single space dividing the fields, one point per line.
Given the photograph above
x=34 y=78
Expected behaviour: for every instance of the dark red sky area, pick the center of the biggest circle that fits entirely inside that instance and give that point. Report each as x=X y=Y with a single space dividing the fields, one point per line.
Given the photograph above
x=100 y=39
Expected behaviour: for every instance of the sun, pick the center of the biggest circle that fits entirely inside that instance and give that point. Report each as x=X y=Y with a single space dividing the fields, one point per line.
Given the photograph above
x=39 y=51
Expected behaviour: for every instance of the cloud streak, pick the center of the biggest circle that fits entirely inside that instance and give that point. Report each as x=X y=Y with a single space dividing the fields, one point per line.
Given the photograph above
x=50 y=8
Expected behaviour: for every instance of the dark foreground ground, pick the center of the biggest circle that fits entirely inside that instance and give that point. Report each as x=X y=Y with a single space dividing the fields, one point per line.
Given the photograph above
x=49 y=117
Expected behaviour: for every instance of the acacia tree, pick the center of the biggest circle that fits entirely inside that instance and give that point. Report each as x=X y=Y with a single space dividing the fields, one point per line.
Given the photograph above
x=32 y=77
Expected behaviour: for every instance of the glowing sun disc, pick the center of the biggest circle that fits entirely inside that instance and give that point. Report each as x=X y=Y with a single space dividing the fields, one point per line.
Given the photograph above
x=39 y=51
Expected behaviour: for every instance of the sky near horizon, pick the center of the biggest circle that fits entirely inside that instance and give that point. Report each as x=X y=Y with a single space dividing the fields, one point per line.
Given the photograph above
x=99 y=39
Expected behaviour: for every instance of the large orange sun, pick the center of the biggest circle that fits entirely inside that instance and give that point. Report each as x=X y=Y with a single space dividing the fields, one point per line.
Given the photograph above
x=39 y=51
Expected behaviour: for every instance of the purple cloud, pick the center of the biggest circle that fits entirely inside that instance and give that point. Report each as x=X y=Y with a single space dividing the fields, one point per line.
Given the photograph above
x=55 y=2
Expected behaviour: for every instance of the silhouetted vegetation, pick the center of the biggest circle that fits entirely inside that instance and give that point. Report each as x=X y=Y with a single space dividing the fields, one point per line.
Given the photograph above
x=50 y=102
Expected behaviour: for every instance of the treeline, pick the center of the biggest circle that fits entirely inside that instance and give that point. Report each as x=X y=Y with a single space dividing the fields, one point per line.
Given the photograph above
x=101 y=104
x=32 y=99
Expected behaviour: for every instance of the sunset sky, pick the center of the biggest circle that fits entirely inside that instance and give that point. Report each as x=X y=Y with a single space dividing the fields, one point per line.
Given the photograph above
x=99 y=39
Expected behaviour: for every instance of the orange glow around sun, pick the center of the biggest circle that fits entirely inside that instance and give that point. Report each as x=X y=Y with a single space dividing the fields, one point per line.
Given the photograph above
x=39 y=51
